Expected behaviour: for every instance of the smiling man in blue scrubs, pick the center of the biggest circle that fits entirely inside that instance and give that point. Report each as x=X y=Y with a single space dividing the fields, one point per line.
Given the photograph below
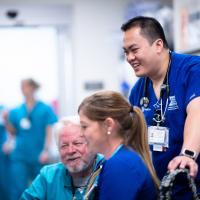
x=168 y=92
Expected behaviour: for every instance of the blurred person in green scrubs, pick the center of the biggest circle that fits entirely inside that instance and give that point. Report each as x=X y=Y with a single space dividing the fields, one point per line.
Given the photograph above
x=31 y=124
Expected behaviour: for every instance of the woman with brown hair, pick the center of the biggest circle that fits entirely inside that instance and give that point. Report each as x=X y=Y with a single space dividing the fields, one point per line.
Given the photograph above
x=117 y=130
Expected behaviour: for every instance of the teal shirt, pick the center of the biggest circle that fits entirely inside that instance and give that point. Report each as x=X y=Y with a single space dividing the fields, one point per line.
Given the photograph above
x=54 y=183
x=30 y=141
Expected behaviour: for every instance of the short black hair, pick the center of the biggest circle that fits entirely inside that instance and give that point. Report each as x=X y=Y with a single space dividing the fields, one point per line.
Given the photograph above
x=150 y=28
x=32 y=83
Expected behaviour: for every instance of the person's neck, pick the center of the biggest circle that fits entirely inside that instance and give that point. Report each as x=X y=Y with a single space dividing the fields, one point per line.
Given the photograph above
x=158 y=76
x=111 y=147
x=80 y=181
x=30 y=102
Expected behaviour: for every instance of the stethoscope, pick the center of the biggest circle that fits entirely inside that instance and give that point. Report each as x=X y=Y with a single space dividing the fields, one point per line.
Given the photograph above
x=144 y=101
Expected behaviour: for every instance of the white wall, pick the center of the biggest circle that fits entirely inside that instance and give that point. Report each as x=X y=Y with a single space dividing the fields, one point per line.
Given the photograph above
x=96 y=46
x=28 y=52
x=186 y=26
x=94 y=34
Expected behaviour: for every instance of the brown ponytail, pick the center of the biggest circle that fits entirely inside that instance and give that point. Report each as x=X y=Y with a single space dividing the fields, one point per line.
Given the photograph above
x=138 y=140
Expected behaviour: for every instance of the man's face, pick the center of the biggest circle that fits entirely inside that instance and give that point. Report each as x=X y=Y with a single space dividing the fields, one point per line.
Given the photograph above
x=73 y=149
x=140 y=54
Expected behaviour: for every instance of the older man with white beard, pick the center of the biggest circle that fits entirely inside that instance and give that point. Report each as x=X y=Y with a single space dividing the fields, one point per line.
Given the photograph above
x=76 y=175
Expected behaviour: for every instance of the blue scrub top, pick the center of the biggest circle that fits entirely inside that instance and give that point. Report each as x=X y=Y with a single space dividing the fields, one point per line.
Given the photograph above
x=54 y=183
x=30 y=141
x=125 y=176
x=184 y=83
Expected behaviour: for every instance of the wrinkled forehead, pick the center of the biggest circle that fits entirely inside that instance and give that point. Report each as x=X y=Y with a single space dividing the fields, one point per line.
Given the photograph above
x=71 y=132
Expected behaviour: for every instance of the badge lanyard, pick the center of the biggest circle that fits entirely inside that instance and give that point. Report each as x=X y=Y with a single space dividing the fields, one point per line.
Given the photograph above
x=164 y=87
x=161 y=117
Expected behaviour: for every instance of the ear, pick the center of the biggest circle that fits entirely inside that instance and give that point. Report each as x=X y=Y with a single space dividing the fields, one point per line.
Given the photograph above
x=159 y=45
x=109 y=123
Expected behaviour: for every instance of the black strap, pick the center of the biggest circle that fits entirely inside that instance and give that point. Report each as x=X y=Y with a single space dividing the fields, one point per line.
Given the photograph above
x=166 y=186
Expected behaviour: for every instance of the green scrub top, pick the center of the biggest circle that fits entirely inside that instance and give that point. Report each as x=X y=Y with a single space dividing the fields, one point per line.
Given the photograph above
x=54 y=183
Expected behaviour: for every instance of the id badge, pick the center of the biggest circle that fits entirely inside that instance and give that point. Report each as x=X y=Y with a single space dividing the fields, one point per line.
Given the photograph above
x=25 y=123
x=158 y=136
